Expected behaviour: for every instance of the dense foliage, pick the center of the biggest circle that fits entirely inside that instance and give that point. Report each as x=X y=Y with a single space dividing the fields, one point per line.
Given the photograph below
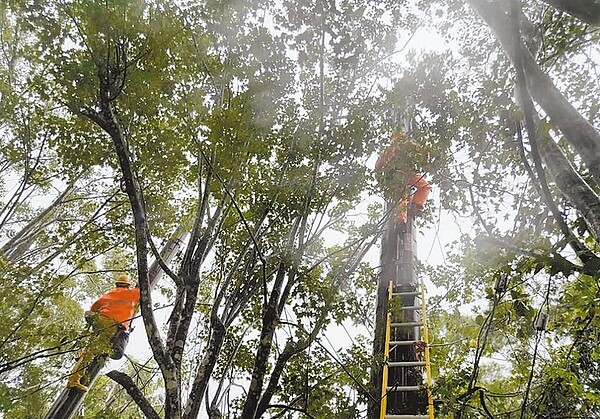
x=248 y=130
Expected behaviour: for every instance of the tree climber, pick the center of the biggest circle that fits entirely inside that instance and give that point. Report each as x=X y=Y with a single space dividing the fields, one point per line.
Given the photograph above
x=398 y=169
x=109 y=318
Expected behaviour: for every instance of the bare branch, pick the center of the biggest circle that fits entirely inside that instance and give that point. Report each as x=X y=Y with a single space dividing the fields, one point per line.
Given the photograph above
x=134 y=392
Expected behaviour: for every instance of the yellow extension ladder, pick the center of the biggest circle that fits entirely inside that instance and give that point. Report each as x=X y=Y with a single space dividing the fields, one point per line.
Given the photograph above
x=404 y=400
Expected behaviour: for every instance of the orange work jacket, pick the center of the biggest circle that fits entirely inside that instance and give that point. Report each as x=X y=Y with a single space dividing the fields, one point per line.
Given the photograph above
x=118 y=304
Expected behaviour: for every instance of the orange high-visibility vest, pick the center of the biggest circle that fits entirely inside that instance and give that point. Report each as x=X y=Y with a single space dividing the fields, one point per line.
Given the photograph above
x=118 y=304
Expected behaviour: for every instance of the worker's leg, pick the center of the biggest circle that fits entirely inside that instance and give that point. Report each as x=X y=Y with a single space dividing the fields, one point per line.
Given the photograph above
x=401 y=214
x=81 y=365
x=417 y=199
x=106 y=329
x=103 y=329
x=420 y=196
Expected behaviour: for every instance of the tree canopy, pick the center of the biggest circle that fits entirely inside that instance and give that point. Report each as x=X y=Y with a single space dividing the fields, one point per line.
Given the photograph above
x=247 y=132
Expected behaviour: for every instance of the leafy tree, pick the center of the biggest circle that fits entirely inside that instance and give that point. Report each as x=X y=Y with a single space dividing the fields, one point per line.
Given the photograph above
x=535 y=235
x=249 y=126
x=256 y=153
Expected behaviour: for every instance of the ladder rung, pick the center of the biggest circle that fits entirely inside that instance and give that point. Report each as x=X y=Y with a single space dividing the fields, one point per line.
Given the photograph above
x=405 y=388
x=406 y=294
x=411 y=308
x=406 y=363
x=406 y=416
x=405 y=342
x=407 y=324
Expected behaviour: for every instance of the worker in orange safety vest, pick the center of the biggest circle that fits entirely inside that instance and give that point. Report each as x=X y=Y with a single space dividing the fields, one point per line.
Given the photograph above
x=398 y=169
x=110 y=317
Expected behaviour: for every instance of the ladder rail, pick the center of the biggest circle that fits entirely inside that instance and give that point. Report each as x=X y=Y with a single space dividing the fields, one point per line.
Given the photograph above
x=386 y=354
x=426 y=354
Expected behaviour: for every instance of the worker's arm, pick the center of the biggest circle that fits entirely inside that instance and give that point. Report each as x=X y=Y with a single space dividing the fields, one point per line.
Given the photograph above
x=97 y=305
x=90 y=315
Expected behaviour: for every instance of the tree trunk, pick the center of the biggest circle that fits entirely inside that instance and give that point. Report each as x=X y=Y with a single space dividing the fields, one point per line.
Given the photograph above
x=571 y=185
x=587 y=11
x=20 y=242
x=109 y=122
x=269 y=324
x=577 y=130
x=289 y=351
x=205 y=368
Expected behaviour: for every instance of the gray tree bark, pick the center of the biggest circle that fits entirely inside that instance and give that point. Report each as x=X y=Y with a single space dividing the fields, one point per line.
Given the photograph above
x=134 y=392
x=20 y=242
x=571 y=185
x=577 y=130
x=587 y=11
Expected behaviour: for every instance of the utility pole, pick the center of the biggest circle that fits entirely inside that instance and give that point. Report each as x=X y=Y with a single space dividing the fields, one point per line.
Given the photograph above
x=400 y=378
x=404 y=343
x=70 y=398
